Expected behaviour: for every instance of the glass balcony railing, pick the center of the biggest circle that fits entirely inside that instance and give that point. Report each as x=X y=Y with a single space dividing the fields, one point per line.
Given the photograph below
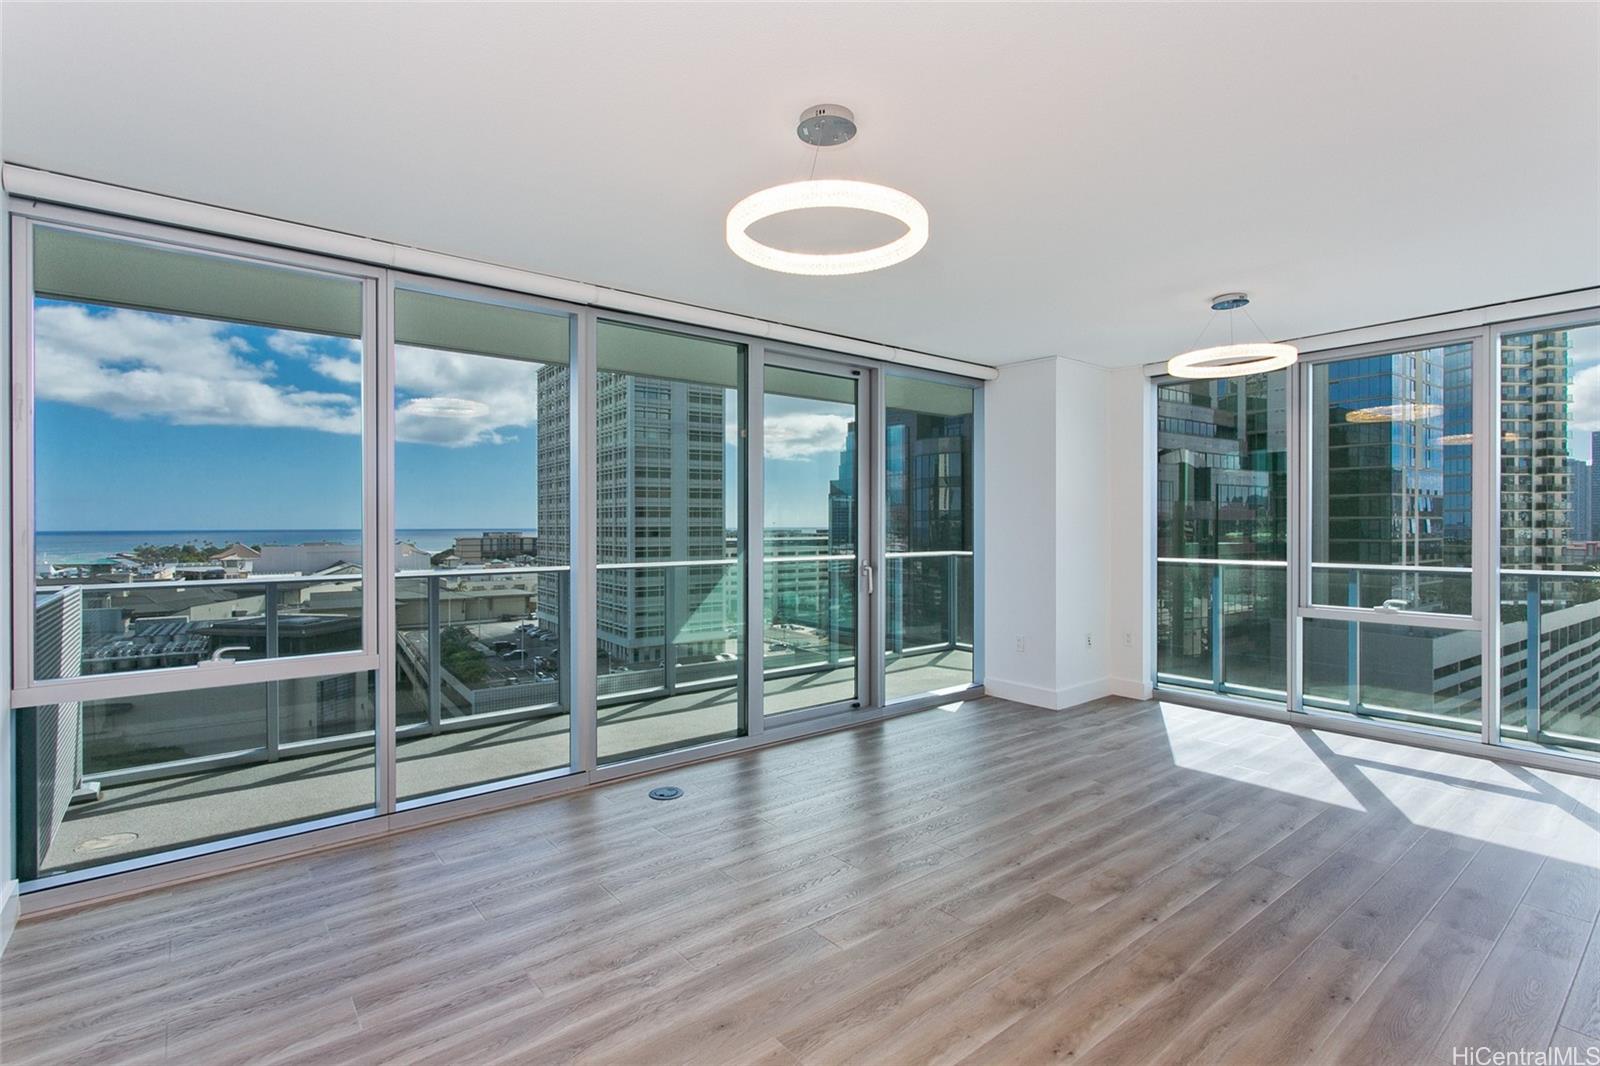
x=90 y=628
x=1434 y=589
x=1550 y=658
x=481 y=686
x=928 y=614
x=1221 y=624
x=106 y=780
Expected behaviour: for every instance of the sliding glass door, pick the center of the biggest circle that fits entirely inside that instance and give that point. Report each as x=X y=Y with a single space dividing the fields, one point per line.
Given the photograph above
x=815 y=567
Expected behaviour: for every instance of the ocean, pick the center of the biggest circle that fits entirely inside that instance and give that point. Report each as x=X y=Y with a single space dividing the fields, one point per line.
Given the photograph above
x=78 y=544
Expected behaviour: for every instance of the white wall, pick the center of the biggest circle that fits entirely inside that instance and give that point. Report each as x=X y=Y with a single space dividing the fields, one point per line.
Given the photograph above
x=1048 y=478
x=1019 y=472
x=1130 y=531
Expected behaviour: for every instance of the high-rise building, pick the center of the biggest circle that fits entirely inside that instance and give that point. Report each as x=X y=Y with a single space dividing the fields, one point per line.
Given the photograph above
x=1594 y=485
x=1581 y=477
x=659 y=489
x=552 y=546
x=928 y=463
x=842 y=498
x=928 y=496
x=1535 y=482
x=1379 y=426
x=1221 y=473
x=495 y=546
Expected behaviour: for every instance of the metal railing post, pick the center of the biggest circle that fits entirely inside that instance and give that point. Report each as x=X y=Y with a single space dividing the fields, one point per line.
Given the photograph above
x=274 y=724
x=1352 y=653
x=898 y=629
x=952 y=594
x=832 y=607
x=435 y=656
x=1534 y=657
x=1216 y=627
x=669 y=626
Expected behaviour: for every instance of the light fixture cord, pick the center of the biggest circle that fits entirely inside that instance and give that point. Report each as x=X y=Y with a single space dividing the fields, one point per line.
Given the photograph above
x=1256 y=324
x=816 y=150
x=1199 y=336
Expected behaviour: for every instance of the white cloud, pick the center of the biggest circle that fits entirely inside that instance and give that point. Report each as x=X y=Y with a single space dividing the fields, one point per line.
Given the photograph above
x=1586 y=400
x=459 y=400
x=138 y=365
x=801 y=436
x=308 y=345
x=133 y=364
x=347 y=371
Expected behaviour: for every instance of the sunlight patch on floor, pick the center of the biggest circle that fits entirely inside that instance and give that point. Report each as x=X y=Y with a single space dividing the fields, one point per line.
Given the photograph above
x=1208 y=741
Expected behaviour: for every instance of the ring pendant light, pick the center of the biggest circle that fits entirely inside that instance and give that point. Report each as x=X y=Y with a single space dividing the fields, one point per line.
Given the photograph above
x=827 y=125
x=1233 y=359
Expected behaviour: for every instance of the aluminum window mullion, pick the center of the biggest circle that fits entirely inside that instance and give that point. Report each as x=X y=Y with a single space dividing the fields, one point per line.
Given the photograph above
x=872 y=684
x=583 y=502
x=1297 y=541
x=378 y=519
x=1486 y=519
x=980 y=526
x=192 y=678
x=752 y=444
x=22 y=516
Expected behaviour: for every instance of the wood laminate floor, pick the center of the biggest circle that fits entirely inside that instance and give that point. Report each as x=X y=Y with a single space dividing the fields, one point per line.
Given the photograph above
x=1119 y=883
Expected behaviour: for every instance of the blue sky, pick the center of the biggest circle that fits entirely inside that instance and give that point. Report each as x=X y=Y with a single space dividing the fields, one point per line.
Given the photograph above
x=158 y=422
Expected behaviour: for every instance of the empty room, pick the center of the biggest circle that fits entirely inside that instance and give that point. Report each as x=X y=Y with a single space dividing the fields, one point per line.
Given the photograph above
x=800 y=534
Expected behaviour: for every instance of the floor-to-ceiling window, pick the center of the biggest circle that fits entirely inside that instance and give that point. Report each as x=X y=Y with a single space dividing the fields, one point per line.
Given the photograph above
x=301 y=542
x=669 y=600
x=1549 y=585
x=1222 y=533
x=197 y=550
x=1437 y=511
x=1388 y=621
x=929 y=526
x=481 y=493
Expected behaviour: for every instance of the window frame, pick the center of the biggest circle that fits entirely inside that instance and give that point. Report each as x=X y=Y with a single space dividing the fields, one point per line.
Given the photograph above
x=1484 y=329
x=28 y=690
x=1493 y=642
x=578 y=694
x=235 y=236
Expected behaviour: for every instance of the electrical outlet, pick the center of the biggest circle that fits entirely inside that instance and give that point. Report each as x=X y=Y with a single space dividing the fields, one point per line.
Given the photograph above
x=1127 y=639
x=1088 y=640
x=1022 y=644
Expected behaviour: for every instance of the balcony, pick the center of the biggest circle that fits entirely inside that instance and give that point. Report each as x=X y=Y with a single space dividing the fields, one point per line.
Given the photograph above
x=1550 y=644
x=480 y=693
x=1550 y=656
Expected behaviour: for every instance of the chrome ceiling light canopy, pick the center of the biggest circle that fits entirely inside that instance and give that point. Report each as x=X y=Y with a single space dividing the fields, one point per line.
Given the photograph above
x=827 y=126
x=1233 y=359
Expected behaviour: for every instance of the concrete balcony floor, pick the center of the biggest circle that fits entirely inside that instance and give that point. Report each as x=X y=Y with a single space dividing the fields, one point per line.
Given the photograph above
x=144 y=817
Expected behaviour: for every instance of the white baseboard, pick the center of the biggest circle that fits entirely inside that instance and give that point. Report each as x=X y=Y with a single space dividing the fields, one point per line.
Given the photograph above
x=1133 y=690
x=10 y=907
x=1018 y=692
x=1054 y=699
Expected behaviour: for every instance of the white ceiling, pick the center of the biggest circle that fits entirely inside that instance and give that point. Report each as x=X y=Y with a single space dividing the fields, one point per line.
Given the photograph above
x=1093 y=173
